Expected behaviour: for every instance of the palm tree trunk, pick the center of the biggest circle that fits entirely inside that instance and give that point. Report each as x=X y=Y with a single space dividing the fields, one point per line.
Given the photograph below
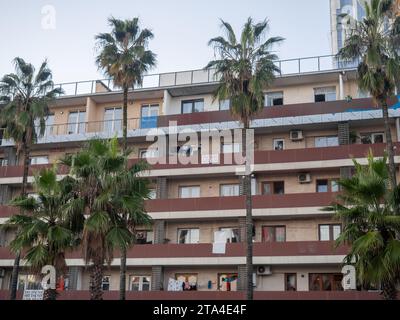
x=389 y=290
x=96 y=278
x=389 y=141
x=249 y=218
x=125 y=120
x=122 y=275
x=15 y=271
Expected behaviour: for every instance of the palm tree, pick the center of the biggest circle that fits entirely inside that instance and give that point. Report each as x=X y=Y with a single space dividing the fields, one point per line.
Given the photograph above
x=375 y=42
x=245 y=66
x=44 y=232
x=26 y=96
x=367 y=209
x=124 y=57
x=109 y=195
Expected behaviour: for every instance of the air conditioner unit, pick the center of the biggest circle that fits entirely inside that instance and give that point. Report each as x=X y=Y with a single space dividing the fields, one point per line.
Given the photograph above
x=264 y=270
x=296 y=135
x=304 y=178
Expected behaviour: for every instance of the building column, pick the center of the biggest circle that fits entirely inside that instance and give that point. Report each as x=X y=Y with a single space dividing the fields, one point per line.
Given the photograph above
x=159 y=231
x=162 y=188
x=157 y=278
x=344 y=133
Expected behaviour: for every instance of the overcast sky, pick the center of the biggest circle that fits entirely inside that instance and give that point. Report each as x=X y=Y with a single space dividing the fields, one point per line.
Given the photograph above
x=182 y=29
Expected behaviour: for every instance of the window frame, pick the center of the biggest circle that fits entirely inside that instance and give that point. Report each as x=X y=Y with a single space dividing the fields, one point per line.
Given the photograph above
x=192 y=102
x=77 y=124
x=274 y=141
x=141 y=277
x=222 y=185
x=272 y=185
x=221 y=102
x=263 y=240
x=112 y=121
x=39 y=156
x=272 y=99
x=325 y=92
x=331 y=231
x=286 y=282
x=188 y=229
x=191 y=186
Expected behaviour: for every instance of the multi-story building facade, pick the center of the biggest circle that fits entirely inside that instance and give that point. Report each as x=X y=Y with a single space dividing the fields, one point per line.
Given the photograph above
x=314 y=122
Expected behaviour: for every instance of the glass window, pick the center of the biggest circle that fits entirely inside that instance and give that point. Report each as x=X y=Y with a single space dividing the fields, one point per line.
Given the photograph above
x=29 y=282
x=329 y=232
x=188 y=236
x=3 y=162
x=325 y=94
x=273 y=99
x=189 y=192
x=279 y=144
x=291 y=282
x=274 y=234
x=140 y=283
x=49 y=126
x=112 y=120
x=325 y=282
x=191 y=106
x=229 y=190
x=152 y=194
x=150 y=110
x=231 y=148
x=323 y=142
x=369 y=138
x=275 y=187
x=105 y=283
x=322 y=186
x=39 y=160
x=224 y=104
x=232 y=234
x=76 y=122
x=144 y=237
x=335 y=186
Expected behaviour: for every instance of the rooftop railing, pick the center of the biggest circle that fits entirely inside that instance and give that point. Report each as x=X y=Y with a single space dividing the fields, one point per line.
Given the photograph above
x=202 y=76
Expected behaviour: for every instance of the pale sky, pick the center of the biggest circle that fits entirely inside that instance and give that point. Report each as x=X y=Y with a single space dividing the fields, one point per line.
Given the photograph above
x=182 y=29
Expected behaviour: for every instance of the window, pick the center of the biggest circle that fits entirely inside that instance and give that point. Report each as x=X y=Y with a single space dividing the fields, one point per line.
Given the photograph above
x=229 y=190
x=323 y=142
x=227 y=282
x=112 y=120
x=275 y=187
x=105 y=283
x=290 y=282
x=232 y=234
x=192 y=106
x=274 y=234
x=189 y=192
x=39 y=160
x=149 y=115
x=325 y=94
x=231 y=148
x=188 y=236
x=224 y=104
x=279 y=144
x=325 y=185
x=144 y=237
x=152 y=194
x=3 y=162
x=49 y=125
x=369 y=138
x=76 y=122
x=273 y=99
x=148 y=153
x=29 y=282
x=140 y=283
x=329 y=232
x=322 y=186
x=189 y=281
x=325 y=282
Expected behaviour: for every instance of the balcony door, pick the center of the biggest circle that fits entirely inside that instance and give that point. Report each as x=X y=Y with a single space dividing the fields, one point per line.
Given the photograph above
x=76 y=122
x=112 y=120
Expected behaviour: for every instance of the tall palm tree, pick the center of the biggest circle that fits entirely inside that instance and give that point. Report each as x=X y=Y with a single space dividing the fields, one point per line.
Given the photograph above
x=107 y=192
x=246 y=68
x=45 y=231
x=367 y=208
x=26 y=96
x=124 y=57
x=375 y=42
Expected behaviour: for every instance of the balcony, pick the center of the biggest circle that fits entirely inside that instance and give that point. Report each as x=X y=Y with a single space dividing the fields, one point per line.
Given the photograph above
x=204 y=250
x=214 y=295
x=288 y=67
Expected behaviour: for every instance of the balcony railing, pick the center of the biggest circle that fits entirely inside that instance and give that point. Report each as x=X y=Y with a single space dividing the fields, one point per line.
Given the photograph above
x=201 y=76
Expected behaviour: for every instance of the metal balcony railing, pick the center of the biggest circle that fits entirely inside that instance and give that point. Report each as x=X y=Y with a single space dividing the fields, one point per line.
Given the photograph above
x=201 y=76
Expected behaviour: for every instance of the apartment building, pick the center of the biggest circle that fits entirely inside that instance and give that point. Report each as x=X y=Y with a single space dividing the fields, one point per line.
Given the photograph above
x=315 y=121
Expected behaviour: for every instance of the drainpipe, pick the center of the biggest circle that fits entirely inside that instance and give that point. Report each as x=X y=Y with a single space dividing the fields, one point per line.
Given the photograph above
x=398 y=129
